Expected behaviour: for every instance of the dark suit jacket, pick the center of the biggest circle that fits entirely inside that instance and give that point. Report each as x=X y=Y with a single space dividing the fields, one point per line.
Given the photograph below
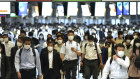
x=5 y=67
x=12 y=59
x=57 y=62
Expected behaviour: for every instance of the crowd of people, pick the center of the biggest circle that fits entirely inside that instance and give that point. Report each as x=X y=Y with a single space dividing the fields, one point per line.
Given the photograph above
x=56 y=51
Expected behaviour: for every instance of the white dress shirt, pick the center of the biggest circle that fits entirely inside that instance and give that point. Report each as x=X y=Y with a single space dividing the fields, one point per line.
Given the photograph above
x=117 y=69
x=50 y=54
x=8 y=47
x=66 y=49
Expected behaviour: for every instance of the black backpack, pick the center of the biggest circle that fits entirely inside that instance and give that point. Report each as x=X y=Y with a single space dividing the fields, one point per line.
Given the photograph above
x=137 y=61
x=33 y=50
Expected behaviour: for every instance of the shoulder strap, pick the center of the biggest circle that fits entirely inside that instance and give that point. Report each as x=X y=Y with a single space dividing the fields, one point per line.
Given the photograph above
x=96 y=49
x=111 y=60
x=33 y=50
x=85 y=46
x=20 y=54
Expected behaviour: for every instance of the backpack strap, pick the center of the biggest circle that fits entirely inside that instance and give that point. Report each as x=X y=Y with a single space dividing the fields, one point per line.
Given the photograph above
x=112 y=59
x=96 y=50
x=34 y=54
x=85 y=46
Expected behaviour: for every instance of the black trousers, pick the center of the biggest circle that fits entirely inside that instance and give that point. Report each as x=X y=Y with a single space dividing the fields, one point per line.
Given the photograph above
x=52 y=74
x=28 y=73
x=70 y=67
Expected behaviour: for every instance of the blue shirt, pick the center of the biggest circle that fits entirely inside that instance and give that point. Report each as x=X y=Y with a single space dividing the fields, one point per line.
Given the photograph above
x=27 y=60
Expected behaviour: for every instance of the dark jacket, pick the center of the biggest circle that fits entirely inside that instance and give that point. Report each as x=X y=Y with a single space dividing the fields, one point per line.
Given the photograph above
x=57 y=62
x=5 y=67
x=12 y=59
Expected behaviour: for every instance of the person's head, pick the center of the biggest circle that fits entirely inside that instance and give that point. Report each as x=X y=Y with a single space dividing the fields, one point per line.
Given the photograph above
x=119 y=49
x=136 y=45
x=109 y=39
x=135 y=35
x=6 y=38
x=59 y=33
x=90 y=39
x=75 y=32
x=86 y=35
x=70 y=35
x=49 y=36
x=41 y=37
x=50 y=46
x=22 y=33
x=30 y=34
x=20 y=41
x=120 y=34
x=60 y=39
x=109 y=33
x=27 y=43
x=128 y=39
x=50 y=39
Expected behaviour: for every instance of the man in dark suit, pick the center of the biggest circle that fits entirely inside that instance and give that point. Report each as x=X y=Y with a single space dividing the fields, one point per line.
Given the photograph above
x=51 y=62
x=13 y=53
x=4 y=67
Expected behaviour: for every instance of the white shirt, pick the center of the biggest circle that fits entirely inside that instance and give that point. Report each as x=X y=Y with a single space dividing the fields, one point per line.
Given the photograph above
x=66 y=49
x=91 y=51
x=50 y=54
x=8 y=47
x=44 y=45
x=117 y=69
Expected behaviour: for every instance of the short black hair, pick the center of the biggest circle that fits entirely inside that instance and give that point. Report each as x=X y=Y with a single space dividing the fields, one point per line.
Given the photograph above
x=109 y=32
x=120 y=32
x=70 y=31
x=30 y=34
x=119 y=45
x=27 y=39
x=51 y=42
x=49 y=39
x=59 y=36
x=90 y=37
x=22 y=38
x=109 y=37
x=22 y=31
x=5 y=35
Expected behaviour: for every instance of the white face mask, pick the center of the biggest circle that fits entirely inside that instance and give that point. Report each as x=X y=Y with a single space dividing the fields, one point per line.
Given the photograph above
x=50 y=48
x=128 y=41
x=27 y=46
x=70 y=38
x=135 y=36
x=6 y=39
x=19 y=44
x=102 y=45
x=1 y=39
x=40 y=37
x=121 y=36
x=137 y=44
x=121 y=53
x=59 y=41
x=86 y=37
